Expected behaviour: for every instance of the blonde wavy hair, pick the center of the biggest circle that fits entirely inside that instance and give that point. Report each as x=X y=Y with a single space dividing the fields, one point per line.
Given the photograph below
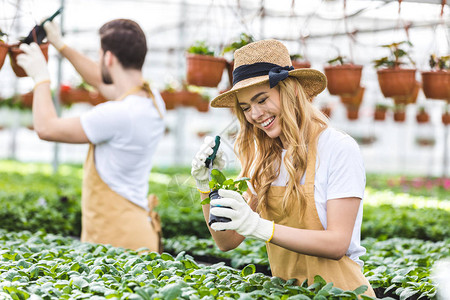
x=260 y=156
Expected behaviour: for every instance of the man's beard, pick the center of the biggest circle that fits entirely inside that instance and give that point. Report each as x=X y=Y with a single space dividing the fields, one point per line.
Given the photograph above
x=106 y=76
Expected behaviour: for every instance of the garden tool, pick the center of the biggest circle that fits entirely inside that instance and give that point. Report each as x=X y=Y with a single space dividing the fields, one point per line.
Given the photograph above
x=37 y=34
x=214 y=194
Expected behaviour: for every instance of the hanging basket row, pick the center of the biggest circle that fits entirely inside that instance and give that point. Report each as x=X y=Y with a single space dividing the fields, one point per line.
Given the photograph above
x=14 y=51
x=174 y=99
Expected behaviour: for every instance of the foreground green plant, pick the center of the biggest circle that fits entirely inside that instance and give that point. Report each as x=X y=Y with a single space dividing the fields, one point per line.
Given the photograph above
x=53 y=267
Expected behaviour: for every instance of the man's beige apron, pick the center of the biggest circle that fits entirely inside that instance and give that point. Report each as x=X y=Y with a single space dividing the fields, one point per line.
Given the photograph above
x=344 y=273
x=108 y=218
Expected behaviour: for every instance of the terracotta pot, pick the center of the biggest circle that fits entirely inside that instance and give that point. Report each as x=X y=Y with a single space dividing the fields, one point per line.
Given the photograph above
x=3 y=52
x=422 y=117
x=380 y=114
x=446 y=118
x=170 y=99
x=343 y=80
x=96 y=98
x=188 y=98
x=203 y=105
x=14 y=51
x=204 y=70
x=397 y=82
x=436 y=85
x=399 y=116
x=299 y=64
x=355 y=99
x=408 y=99
x=73 y=95
x=352 y=112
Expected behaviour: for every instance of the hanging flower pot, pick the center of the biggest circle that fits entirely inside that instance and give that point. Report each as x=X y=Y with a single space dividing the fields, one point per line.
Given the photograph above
x=204 y=70
x=380 y=112
x=202 y=105
x=298 y=61
x=188 y=98
x=352 y=112
x=436 y=85
x=3 y=52
x=422 y=116
x=446 y=118
x=354 y=99
x=397 y=83
x=399 y=113
x=343 y=79
x=170 y=99
x=14 y=51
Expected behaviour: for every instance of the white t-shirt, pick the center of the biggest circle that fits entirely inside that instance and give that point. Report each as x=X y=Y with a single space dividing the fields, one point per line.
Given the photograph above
x=126 y=134
x=339 y=174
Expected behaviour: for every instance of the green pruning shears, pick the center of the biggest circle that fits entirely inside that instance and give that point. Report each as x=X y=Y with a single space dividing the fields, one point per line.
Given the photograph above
x=210 y=159
x=37 y=34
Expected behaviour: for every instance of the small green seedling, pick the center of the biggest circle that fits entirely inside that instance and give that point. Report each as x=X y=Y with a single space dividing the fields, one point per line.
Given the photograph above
x=219 y=181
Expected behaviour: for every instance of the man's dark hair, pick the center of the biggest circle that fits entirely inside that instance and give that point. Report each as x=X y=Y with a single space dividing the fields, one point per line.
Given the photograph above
x=126 y=40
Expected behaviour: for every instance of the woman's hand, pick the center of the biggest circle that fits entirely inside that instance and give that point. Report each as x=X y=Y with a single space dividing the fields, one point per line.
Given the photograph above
x=244 y=220
x=199 y=170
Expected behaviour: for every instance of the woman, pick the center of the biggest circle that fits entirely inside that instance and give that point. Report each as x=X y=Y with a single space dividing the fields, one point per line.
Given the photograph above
x=309 y=178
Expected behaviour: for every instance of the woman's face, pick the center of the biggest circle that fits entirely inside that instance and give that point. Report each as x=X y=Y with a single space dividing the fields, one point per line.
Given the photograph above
x=261 y=107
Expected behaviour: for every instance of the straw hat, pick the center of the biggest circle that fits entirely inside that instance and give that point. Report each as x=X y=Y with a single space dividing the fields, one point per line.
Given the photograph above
x=267 y=61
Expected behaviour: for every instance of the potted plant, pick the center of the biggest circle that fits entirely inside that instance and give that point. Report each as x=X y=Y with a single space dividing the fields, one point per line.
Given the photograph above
x=436 y=83
x=81 y=93
x=380 y=112
x=422 y=116
x=353 y=102
x=244 y=39
x=14 y=51
x=175 y=96
x=298 y=62
x=343 y=77
x=203 y=68
x=399 y=113
x=3 y=48
x=219 y=181
x=395 y=81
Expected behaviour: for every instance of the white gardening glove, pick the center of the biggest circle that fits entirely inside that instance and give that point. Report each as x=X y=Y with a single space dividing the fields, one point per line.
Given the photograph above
x=199 y=171
x=33 y=62
x=54 y=35
x=244 y=220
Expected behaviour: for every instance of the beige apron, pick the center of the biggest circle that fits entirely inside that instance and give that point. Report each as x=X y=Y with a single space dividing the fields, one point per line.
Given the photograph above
x=108 y=218
x=344 y=273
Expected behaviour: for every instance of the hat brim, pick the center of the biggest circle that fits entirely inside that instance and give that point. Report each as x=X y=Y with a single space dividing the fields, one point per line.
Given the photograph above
x=312 y=81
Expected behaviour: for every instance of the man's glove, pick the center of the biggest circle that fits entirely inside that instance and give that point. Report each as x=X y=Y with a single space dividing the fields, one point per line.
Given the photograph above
x=33 y=62
x=244 y=220
x=54 y=35
x=199 y=171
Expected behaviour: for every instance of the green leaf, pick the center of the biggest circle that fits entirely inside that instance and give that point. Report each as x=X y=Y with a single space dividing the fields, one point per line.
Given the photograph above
x=248 y=270
x=171 y=291
x=218 y=176
x=360 y=290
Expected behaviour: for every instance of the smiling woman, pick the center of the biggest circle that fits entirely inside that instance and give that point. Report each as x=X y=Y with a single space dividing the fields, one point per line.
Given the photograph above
x=308 y=213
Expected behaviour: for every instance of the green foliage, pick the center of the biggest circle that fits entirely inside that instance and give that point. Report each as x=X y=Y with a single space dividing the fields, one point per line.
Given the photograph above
x=403 y=266
x=396 y=57
x=219 y=181
x=244 y=39
x=53 y=267
x=200 y=47
x=296 y=56
x=439 y=63
x=340 y=60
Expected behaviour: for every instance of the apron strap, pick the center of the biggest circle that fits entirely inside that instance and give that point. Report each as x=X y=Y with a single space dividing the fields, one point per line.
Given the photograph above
x=146 y=87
